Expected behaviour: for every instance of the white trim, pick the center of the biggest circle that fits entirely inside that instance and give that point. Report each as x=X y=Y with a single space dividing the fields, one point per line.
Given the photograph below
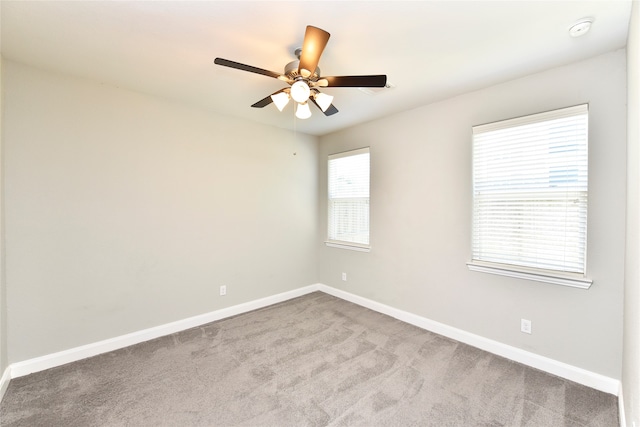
x=523 y=273
x=621 y=415
x=351 y=247
x=357 y=151
x=560 y=369
x=78 y=353
x=4 y=381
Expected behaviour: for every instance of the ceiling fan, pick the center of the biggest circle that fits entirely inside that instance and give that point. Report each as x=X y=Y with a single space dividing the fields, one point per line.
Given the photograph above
x=304 y=79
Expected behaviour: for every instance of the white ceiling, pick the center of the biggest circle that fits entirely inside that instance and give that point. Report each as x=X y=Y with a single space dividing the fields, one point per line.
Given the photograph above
x=430 y=50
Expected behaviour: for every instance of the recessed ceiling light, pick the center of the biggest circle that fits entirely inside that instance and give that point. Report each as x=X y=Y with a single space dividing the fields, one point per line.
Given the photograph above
x=580 y=28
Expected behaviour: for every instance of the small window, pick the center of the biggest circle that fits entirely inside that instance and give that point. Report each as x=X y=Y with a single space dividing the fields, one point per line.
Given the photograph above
x=348 y=191
x=530 y=197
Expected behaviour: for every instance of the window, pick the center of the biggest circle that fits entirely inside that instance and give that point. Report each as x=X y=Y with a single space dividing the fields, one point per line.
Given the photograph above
x=348 y=191
x=530 y=197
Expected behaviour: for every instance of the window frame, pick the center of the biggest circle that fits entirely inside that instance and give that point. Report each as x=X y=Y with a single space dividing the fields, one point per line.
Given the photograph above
x=565 y=278
x=344 y=244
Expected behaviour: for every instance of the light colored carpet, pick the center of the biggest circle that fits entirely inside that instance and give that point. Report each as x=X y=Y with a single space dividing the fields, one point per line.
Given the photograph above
x=311 y=361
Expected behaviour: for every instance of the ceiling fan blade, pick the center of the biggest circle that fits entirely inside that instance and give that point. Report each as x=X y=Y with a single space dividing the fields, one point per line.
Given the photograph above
x=266 y=100
x=330 y=111
x=263 y=102
x=379 y=80
x=243 y=67
x=315 y=40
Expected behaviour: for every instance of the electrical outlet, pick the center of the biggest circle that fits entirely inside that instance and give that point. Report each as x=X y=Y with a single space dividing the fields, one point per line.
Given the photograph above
x=525 y=326
x=344 y=277
x=223 y=290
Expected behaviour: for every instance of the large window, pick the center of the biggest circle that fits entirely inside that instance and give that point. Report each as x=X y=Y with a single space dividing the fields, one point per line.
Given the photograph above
x=348 y=190
x=530 y=197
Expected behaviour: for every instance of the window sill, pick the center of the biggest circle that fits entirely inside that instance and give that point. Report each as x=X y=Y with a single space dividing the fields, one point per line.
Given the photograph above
x=351 y=247
x=572 y=280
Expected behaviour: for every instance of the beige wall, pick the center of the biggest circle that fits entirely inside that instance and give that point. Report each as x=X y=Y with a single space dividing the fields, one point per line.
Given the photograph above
x=631 y=355
x=125 y=211
x=421 y=219
x=3 y=300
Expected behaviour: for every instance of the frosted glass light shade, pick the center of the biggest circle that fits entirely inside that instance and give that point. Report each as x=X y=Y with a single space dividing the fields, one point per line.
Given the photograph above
x=303 y=111
x=280 y=99
x=300 y=91
x=324 y=101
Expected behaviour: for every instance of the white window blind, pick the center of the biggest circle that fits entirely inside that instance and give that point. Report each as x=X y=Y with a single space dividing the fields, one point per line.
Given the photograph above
x=530 y=191
x=349 y=198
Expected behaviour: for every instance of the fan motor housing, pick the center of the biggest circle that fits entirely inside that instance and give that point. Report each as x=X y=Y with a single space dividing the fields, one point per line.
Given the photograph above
x=291 y=70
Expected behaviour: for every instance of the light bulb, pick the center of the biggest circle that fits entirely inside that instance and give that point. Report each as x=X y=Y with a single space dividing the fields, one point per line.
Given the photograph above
x=303 y=111
x=280 y=99
x=300 y=91
x=323 y=100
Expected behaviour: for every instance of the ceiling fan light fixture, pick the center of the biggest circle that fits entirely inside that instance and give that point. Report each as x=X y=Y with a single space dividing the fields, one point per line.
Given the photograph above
x=300 y=91
x=280 y=99
x=303 y=111
x=323 y=100
x=303 y=78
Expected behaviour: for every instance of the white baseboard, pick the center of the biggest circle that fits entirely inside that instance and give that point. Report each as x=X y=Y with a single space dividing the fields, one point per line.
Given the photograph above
x=621 y=414
x=78 y=353
x=560 y=369
x=563 y=370
x=4 y=381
